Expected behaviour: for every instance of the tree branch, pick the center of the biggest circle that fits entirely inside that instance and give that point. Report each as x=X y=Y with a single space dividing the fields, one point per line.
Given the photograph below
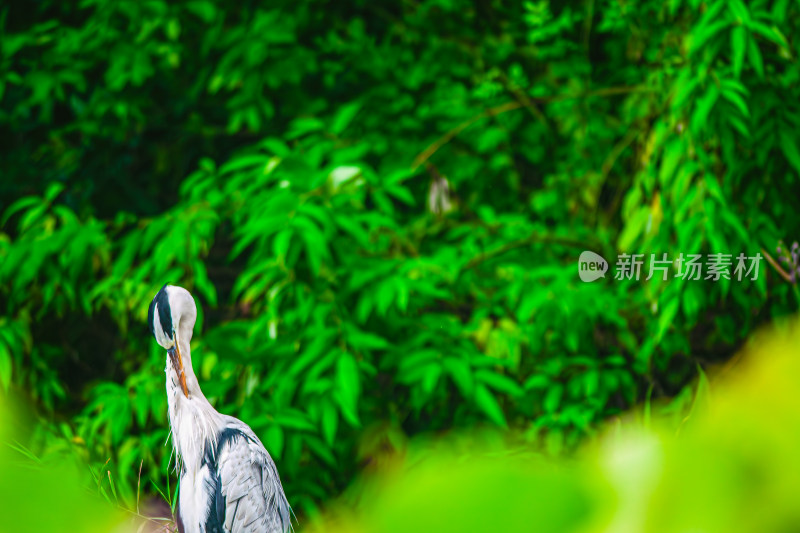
x=510 y=106
x=500 y=250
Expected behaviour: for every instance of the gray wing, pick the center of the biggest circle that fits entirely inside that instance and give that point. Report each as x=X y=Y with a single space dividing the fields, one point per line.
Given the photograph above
x=251 y=489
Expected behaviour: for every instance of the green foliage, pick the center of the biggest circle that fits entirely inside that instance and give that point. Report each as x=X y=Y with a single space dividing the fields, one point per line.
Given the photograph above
x=380 y=210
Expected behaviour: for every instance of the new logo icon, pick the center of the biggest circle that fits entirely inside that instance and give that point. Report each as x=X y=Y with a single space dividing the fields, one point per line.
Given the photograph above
x=591 y=266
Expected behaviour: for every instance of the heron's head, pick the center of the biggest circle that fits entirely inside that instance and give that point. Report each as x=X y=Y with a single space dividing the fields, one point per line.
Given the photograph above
x=171 y=316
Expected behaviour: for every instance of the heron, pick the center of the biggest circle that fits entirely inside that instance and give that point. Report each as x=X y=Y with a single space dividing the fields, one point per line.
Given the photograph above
x=228 y=481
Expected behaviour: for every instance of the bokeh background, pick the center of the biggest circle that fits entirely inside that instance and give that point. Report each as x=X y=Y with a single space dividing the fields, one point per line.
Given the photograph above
x=379 y=208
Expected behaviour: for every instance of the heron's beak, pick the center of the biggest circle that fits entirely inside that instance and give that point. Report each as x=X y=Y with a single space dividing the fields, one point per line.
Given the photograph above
x=177 y=363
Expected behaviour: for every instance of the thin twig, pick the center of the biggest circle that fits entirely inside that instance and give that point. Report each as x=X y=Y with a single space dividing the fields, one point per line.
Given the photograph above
x=785 y=275
x=606 y=91
x=523 y=99
x=447 y=137
x=138 y=484
x=587 y=25
x=611 y=158
x=608 y=164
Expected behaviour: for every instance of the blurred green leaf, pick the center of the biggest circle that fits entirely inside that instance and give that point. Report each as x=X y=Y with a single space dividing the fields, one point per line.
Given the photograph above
x=348 y=387
x=489 y=405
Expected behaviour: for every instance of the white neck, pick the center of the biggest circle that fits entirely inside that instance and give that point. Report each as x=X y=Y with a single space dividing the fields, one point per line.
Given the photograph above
x=193 y=420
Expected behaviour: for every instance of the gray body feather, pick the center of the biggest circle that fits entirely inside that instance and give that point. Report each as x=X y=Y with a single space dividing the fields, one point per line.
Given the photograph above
x=249 y=484
x=235 y=487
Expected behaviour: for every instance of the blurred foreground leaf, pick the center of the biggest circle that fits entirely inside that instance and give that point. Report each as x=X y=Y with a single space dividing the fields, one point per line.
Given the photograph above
x=731 y=466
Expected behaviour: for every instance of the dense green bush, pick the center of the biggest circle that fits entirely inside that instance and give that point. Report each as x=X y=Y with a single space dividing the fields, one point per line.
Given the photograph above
x=379 y=209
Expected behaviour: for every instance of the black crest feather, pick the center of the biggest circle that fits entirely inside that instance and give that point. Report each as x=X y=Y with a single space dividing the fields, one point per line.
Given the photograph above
x=164 y=313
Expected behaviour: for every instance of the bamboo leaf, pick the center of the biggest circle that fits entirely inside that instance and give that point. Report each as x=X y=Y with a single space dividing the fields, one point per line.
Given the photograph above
x=703 y=108
x=739 y=47
x=488 y=404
